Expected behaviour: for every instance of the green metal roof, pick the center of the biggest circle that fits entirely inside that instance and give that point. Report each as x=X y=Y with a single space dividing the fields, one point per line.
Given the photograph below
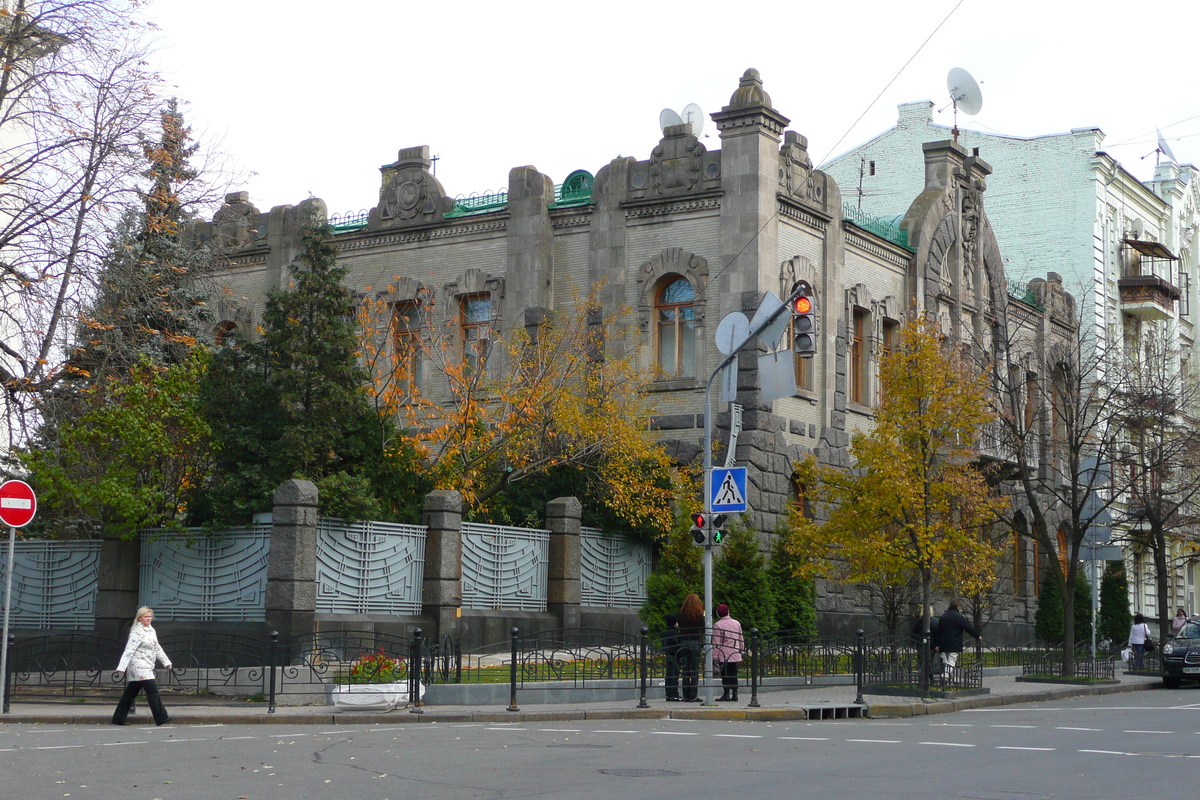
x=887 y=227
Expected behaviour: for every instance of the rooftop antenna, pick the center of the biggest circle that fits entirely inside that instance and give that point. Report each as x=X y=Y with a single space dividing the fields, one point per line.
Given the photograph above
x=964 y=95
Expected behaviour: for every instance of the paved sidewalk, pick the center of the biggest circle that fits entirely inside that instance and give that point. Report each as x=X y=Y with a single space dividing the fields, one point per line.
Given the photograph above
x=819 y=702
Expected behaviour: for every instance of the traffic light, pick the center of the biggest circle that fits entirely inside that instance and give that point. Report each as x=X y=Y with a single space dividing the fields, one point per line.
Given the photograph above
x=718 y=528
x=699 y=529
x=804 y=324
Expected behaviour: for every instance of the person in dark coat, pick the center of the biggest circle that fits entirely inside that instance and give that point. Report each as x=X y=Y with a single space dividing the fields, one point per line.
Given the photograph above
x=691 y=641
x=951 y=627
x=669 y=640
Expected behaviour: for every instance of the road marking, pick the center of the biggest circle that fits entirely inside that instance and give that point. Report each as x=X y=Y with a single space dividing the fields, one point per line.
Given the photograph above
x=674 y=733
x=231 y=738
x=119 y=744
x=285 y=735
x=59 y=747
x=1037 y=749
x=172 y=741
x=560 y=730
x=1024 y=727
x=507 y=729
x=876 y=741
x=737 y=736
x=614 y=731
x=1147 y=731
x=468 y=725
x=947 y=744
x=1065 y=728
x=805 y=738
x=1104 y=752
x=952 y=725
x=321 y=733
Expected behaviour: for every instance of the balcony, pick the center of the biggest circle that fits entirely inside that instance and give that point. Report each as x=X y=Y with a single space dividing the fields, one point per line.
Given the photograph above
x=996 y=444
x=1145 y=284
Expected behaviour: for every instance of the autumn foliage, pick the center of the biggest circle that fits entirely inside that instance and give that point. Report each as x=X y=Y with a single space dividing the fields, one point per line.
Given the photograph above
x=915 y=500
x=535 y=398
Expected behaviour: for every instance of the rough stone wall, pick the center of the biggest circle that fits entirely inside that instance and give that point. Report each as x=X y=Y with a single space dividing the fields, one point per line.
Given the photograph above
x=737 y=222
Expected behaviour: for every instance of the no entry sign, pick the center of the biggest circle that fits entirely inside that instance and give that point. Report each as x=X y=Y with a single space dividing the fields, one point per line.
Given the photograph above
x=18 y=503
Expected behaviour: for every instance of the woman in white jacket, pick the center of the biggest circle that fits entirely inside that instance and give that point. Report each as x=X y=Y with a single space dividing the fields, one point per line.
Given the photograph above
x=142 y=651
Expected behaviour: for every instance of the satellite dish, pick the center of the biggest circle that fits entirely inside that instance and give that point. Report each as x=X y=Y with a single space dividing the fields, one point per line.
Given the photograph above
x=1136 y=229
x=964 y=92
x=693 y=117
x=1163 y=147
x=668 y=117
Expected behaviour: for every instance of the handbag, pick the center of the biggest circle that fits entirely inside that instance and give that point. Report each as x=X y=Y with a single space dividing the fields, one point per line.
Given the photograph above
x=1150 y=645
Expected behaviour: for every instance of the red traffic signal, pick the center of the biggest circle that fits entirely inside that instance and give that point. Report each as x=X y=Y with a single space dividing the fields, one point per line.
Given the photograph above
x=699 y=532
x=804 y=324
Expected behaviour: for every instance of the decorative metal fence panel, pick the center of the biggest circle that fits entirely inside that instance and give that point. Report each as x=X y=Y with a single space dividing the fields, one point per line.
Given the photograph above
x=369 y=567
x=613 y=569
x=54 y=584
x=504 y=568
x=205 y=577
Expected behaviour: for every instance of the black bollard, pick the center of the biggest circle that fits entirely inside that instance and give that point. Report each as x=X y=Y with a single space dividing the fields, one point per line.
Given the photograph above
x=642 y=667
x=512 y=674
x=754 y=668
x=414 y=674
x=271 y=668
x=860 y=657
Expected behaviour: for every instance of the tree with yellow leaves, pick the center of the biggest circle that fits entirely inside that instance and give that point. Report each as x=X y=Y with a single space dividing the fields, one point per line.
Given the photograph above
x=542 y=399
x=914 y=500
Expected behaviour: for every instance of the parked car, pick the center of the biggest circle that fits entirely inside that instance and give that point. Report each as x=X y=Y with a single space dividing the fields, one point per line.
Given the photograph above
x=1181 y=656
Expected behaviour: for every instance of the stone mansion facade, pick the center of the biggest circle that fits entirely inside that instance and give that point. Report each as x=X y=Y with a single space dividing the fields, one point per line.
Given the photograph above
x=682 y=238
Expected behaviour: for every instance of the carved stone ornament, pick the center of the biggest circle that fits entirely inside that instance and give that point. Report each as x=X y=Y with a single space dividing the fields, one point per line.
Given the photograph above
x=234 y=223
x=406 y=196
x=676 y=164
x=795 y=165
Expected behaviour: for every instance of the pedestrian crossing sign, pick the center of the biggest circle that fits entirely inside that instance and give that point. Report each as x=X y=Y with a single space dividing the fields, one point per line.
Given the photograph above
x=728 y=489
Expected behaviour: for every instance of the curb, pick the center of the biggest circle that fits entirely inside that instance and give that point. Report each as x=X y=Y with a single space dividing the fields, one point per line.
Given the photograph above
x=889 y=711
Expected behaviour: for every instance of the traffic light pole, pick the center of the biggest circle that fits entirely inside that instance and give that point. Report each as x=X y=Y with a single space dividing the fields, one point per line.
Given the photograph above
x=708 y=467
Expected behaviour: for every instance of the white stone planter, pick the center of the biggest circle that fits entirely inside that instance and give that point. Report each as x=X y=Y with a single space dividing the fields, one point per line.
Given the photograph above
x=371 y=696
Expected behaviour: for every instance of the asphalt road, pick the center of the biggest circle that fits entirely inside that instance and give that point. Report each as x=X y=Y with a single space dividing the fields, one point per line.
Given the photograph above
x=1117 y=746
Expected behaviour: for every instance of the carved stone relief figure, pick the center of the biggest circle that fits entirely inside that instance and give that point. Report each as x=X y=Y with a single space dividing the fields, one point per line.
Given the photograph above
x=234 y=225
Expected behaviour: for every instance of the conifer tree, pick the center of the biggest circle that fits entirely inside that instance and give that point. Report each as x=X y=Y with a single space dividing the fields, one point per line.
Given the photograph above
x=795 y=597
x=740 y=579
x=1114 y=618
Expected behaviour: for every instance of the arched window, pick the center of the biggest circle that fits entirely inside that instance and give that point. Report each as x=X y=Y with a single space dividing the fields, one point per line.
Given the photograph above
x=675 y=343
x=475 y=329
x=224 y=332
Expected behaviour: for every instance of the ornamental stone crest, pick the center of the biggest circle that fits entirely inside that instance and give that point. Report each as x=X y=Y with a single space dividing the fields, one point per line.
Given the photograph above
x=410 y=193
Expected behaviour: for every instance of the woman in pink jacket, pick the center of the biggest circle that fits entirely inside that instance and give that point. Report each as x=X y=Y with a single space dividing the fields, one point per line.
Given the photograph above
x=728 y=644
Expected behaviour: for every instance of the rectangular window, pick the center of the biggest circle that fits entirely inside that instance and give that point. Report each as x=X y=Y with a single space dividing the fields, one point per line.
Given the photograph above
x=1018 y=565
x=872 y=167
x=856 y=357
x=408 y=325
x=1185 y=294
x=475 y=322
x=1031 y=399
x=889 y=342
x=1037 y=569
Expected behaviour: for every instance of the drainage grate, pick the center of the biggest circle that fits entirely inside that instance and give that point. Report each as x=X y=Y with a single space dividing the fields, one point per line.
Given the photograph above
x=835 y=712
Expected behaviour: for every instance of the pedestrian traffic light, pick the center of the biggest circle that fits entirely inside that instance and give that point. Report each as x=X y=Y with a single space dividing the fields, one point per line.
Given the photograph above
x=699 y=529
x=718 y=528
x=804 y=324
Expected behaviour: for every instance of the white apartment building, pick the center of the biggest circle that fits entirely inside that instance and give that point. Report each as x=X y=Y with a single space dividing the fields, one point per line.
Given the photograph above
x=1060 y=203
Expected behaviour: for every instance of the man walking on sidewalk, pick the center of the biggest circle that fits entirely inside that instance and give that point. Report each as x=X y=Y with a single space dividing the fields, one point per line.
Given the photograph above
x=950 y=633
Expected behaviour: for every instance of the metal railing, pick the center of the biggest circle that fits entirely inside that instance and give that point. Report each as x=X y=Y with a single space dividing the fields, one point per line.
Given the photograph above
x=311 y=668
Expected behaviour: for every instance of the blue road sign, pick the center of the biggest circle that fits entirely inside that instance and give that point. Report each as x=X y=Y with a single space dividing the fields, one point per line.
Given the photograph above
x=728 y=489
